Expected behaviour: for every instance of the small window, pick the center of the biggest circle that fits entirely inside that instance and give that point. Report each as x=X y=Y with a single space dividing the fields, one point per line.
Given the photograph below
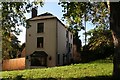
x=71 y=46
x=67 y=44
x=40 y=42
x=66 y=34
x=58 y=55
x=63 y=59
x=71 y=36
x=40 y=27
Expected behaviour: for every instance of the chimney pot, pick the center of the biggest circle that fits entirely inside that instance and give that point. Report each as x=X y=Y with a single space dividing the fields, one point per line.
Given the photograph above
x=34 y=12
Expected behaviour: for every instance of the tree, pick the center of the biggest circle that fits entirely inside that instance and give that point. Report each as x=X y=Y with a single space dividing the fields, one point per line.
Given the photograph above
x=12 y=18
x=100 y=44
x=115 y=27
x=98 y=13
x=22 y=47
x=75 y=13
x=13 y=47
x=98 y=37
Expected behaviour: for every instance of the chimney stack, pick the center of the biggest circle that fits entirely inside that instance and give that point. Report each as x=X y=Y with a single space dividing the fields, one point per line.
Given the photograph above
x=34 y=12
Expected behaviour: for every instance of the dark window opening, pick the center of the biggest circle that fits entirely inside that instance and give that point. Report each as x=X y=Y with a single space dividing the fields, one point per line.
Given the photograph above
x=63 y=59
x=58 y=59
x=71 y=46
x=40 y=42
x=40 y=27
x=66 y=34
x=38 y=61
x=71 y=36
x=67 y=44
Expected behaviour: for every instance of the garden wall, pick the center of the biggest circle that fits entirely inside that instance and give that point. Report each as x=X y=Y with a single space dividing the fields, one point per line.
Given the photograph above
x=13 y=64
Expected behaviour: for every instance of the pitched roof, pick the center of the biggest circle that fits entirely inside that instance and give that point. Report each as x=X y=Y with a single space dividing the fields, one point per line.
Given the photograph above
x=46 y=15
x=43 y=16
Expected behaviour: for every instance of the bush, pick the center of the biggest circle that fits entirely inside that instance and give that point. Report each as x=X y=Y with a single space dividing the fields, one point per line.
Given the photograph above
x=102 y=52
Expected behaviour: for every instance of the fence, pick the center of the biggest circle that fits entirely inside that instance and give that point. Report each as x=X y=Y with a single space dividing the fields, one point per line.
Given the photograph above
x=13 y=64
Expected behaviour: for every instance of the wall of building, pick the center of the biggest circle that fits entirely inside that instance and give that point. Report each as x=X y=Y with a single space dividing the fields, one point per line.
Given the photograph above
x=62 y=42
x=71 y=45
x=49 y=35
x=61 y=39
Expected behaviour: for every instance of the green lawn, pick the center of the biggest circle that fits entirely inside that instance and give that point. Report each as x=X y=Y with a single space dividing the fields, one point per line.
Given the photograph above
x=94 y=70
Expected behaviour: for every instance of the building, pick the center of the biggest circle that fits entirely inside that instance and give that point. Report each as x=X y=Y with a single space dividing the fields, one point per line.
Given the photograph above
x=48 y=42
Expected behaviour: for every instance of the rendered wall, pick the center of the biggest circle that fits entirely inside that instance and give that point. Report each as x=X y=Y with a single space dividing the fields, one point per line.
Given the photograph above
x=49 y=35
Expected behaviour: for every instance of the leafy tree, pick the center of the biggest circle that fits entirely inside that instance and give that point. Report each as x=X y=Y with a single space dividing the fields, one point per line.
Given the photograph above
x=22 y=47
x=115 y=27
x=77 y=42
x=13 y=49
x=76 y=13
x=98 y=13
x=99 y=36
x=100 y=45
x=12 y=18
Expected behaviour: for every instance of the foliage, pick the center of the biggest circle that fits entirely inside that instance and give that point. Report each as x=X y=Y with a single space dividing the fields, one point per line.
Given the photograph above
x=13 y=15
x=73 y=13
x=102 y=18
x=100 y=45
x=77 y=42
x=76 y=13
x=22 y=47
x=73 y=71
x=13 y=44
x=12 y=18
x=100 y=38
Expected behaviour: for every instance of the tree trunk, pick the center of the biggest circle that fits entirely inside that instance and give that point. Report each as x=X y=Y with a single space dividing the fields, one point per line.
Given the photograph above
x=115 y=27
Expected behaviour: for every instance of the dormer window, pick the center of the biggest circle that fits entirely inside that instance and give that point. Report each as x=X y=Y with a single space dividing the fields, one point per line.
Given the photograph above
x=40 y=27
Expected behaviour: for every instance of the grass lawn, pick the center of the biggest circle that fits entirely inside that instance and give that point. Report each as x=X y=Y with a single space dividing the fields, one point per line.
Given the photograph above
x=84 y=71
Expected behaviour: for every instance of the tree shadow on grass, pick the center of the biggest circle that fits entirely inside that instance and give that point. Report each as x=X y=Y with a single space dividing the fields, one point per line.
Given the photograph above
x=97 y=78
x=81 y=78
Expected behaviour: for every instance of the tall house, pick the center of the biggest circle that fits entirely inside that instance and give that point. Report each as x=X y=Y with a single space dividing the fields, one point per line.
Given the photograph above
x=48 y=42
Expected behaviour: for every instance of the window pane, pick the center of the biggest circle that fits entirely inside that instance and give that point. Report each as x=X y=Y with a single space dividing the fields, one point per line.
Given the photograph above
x=38 y=61
x=40 y=42
x=71 y=36
x=66 y=34
x=40 y=27
x=58 y=56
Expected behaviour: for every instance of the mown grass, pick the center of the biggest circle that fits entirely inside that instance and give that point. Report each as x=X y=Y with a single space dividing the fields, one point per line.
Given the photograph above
x=94 y=70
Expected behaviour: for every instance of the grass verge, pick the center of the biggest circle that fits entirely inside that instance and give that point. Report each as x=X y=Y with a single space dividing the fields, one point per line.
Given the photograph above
x=85 y=71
